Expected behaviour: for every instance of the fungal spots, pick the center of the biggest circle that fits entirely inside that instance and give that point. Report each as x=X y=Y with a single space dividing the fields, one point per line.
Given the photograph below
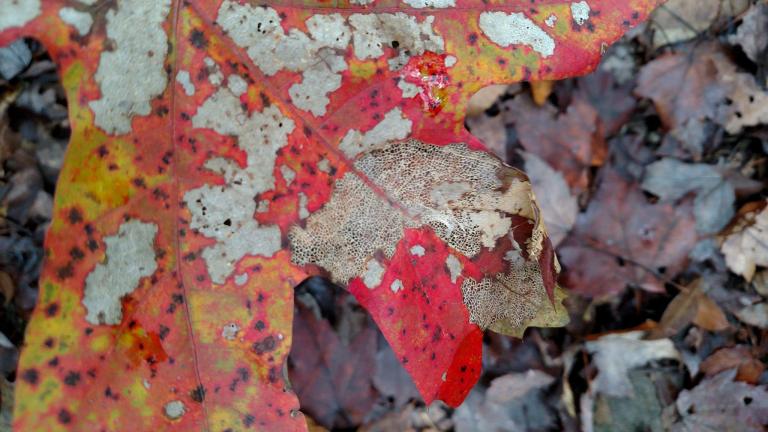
x=64 y=416
x=198 y=394
x=264 y=346
x=130 y=256
x=72 y=378
x=516 y=29
x=197 y=39
x=30 y=376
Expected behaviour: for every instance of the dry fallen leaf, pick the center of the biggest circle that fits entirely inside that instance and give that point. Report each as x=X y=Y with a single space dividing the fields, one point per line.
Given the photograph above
x=615 y=355
x=623 y=239
x=680 y=20
x=557 y=204
x=719 y=404
x=740 y=357
x=746 y=246
x=690 y=306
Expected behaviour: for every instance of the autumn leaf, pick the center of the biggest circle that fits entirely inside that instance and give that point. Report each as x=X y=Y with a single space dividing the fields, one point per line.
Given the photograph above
x=221 y=152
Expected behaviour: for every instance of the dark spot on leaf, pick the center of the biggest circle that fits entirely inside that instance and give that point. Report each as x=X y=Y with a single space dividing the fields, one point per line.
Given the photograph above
x=259 y=325
x=198 y=394
x=64 y=416
x=265 y=345
x=65 y=272
x=74 y=216
x=30 y=376
x=51 y=310
x=197 y=39
x=76 y=253
x=72 y=378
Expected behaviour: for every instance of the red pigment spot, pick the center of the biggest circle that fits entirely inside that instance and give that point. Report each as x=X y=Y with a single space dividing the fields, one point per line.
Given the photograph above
x=428 y=71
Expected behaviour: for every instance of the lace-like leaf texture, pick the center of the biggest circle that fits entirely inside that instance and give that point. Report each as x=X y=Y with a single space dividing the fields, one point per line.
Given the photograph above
x=223 y=151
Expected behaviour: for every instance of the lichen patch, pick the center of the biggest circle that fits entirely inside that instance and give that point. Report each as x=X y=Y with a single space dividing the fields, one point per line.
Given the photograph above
x=16 y=13
x=183 y=78
x=437 y=4
x=580 y=12
x=132 y=74
x=229 y=332
x=418 y=250
x=373 y=32
x=81 y=21
x=394 y=126
x=374 y=271
x=130 y=256
x=454 y=267
x=551 y=20
x=396 y=285
x=516 y=29
x=288 y=174
x=225 y=212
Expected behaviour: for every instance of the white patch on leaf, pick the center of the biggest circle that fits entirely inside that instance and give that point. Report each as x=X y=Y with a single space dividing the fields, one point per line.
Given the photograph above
x=418 y=250
x=259 y=30
x=492 y=226
x=516 y=29
x=551 y=20
x=130 y=256
x=237 y=85
x=288 y=174
x=396 y=285
x=303 y=212
x=241 y=279
x=409 y=90
x=373 y=274
x=454 y=267
x=394 y=126
x=229 y=332
x=450 y=61
x=438 y=4
x=225 y=212
x=185 y=80
x=132 y=74
x=16 y=13
x=215 y=77
x=324 y=165
x=373 y=32
x=580 y=12
x=81 y=21
x=174 y=409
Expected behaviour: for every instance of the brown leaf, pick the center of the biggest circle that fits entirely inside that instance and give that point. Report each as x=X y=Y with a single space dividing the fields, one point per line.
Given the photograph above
x=540 y=91
x=569 y=142
x=709 y=316
x=741 y=357
x=613 y=102
x=623 y=239
x=332 y=380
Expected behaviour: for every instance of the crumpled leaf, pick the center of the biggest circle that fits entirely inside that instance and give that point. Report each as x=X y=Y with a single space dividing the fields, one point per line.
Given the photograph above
x=691 y=306
x=221 y=152
x=746 y=246
x=671 y=179
x=616 y=354
x=626 y=240
x=719 y=403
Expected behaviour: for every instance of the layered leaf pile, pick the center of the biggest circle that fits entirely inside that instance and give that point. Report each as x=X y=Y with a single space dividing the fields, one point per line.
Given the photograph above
x=223 y=151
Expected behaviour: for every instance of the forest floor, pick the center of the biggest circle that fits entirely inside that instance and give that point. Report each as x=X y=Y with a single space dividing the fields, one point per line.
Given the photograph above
x=651 y=174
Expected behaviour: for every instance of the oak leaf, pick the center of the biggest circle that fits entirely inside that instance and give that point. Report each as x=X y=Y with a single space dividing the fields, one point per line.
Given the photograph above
x=223 y=151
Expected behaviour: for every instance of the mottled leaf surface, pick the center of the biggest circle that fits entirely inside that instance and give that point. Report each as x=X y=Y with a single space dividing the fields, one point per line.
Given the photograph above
x=221 y=152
